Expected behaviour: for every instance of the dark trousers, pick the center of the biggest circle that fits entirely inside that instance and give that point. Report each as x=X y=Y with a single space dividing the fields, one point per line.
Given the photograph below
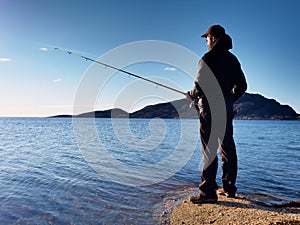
x=225 y=143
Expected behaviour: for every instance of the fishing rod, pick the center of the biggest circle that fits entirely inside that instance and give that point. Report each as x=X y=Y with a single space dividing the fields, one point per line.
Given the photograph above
x=120 y=70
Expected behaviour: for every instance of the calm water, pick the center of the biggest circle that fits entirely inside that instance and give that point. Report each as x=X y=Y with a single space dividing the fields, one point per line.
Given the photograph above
x=45 y=177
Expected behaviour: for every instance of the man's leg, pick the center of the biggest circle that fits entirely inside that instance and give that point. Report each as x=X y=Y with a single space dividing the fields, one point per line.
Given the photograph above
x=229 y=159
x=210 y=161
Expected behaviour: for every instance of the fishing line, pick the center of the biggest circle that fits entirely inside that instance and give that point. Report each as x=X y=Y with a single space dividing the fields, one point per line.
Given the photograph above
x=120 y=70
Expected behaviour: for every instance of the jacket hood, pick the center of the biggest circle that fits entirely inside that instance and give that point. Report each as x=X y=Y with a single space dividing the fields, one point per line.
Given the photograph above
x=224 y=42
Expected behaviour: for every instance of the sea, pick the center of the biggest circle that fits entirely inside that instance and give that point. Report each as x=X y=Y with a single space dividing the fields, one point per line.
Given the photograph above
x=131 y=171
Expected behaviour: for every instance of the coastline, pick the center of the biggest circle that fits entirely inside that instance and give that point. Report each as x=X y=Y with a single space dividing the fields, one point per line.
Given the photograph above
x=237 y=210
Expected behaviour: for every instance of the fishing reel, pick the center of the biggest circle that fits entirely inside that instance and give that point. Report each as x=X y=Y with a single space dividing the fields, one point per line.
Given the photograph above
x=194 y=104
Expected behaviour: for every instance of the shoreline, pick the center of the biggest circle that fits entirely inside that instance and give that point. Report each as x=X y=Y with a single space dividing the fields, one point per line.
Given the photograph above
x=227 y=211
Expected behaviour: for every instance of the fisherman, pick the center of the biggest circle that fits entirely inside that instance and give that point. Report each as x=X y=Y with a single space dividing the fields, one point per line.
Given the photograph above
x=231 y=80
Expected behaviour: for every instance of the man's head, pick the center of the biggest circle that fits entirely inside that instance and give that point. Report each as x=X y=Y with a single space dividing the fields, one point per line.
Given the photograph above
x=213 y=34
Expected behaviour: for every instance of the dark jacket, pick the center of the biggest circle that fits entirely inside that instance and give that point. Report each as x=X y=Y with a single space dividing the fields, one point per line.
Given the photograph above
x=227 y=70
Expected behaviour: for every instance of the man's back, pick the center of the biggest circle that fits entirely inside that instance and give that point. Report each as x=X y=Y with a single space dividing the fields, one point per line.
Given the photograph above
x=227 y=70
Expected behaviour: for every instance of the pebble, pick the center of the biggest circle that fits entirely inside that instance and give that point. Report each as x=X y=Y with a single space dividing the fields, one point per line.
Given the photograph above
x=163 y=214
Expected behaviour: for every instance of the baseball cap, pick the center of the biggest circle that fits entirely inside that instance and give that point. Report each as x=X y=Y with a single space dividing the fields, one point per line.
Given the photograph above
x=214 y=30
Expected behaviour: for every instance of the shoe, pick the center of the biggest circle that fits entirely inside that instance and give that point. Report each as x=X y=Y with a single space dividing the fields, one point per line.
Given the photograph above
x=198 y=199
x=221 y=191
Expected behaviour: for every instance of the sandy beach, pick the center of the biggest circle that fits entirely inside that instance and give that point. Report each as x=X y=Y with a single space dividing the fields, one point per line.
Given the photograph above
x=232 y=211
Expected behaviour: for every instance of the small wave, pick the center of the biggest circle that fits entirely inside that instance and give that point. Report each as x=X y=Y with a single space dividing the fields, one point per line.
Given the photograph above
x=294 y=147
x=271 y=201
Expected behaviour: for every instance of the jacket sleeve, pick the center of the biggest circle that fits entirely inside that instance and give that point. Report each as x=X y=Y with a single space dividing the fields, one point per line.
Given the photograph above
x=196 y=91
x=240 y=85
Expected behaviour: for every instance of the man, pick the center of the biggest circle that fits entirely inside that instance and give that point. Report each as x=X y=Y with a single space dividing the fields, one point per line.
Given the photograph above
x=219 y=64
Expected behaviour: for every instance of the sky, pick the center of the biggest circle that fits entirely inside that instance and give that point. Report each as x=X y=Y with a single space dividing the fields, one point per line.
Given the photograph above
x=38 y=81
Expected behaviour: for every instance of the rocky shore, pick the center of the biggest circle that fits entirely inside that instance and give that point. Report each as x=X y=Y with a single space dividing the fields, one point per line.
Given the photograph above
x=232 y=211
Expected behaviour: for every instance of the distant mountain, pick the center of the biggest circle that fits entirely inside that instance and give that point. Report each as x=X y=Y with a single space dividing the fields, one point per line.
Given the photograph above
x=111 y=113
x=176 y=109
x=255 y=106
x=248 y=107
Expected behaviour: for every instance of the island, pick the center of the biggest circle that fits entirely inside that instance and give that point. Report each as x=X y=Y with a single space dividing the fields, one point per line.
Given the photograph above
x=248 y=107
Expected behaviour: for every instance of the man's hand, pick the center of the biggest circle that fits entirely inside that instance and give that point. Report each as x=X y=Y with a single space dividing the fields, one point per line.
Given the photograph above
x=188 y=96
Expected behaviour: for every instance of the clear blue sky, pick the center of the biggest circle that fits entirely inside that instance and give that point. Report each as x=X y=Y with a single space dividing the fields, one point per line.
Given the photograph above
x=38 y=81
